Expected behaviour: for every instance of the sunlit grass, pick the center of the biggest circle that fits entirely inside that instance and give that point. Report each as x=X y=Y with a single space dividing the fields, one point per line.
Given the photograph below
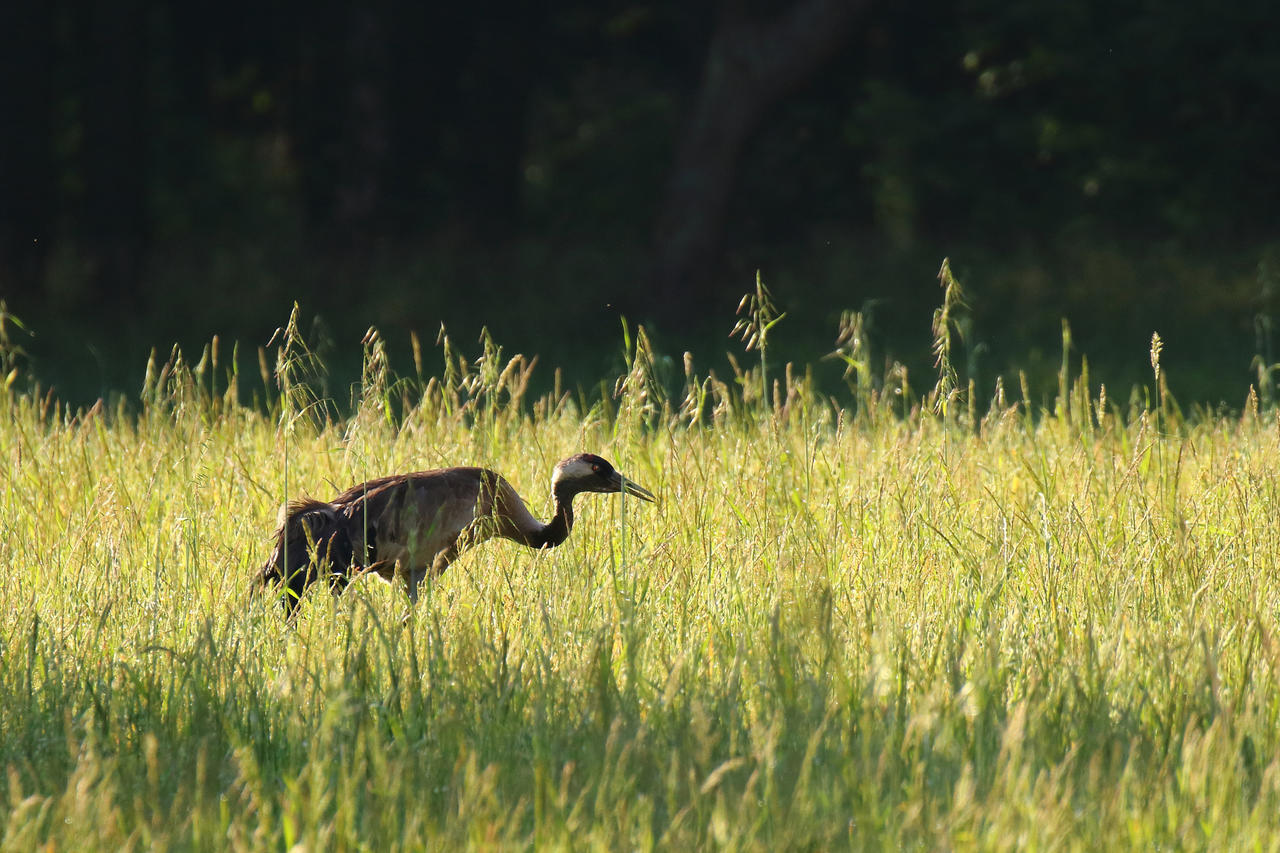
x=841 y=627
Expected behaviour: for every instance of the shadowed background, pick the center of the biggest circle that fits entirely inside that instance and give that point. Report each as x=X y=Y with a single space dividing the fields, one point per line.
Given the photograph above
x=173 y=171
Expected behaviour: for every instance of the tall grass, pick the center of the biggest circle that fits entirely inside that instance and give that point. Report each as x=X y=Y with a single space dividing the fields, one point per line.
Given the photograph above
x=900 y=623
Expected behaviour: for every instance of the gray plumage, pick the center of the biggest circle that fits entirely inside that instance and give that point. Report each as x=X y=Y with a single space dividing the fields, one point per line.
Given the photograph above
x=409 y=525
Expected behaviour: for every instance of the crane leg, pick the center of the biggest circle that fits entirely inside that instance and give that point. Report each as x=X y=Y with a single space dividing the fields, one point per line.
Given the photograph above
x=385 y=569
x=338 y=582
x=390 y=571
x=411 y=581
x=444 y=559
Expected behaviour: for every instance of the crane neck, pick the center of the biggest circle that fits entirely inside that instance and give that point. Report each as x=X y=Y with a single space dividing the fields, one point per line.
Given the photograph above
x=557 y=530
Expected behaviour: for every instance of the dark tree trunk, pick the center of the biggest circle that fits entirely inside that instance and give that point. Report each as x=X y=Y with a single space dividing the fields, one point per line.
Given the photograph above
x=113 y=224
x=28 y=182
x=751 y=64
x=361 y=191
x=494 y=96
x=340 y=124
x=413 y=114
x=424 y=57
x=316 y=121
x=460 y=92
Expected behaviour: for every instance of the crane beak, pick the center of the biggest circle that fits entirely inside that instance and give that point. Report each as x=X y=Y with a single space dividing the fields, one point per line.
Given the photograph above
x=622 y=484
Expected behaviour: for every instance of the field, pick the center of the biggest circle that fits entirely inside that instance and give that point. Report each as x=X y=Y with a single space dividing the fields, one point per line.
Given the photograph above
x=892 y=620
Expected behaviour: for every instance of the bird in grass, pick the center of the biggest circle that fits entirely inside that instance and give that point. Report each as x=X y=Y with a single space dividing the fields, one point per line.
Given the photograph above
x=410 y=525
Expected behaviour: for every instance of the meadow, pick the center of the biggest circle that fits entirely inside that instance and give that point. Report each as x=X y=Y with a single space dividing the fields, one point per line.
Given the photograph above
x=879 y=619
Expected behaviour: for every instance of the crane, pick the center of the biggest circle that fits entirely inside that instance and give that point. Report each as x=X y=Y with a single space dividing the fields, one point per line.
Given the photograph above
x=408 y=525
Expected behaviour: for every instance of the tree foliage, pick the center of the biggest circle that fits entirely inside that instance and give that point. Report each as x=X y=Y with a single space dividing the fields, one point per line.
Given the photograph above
x=221 y=160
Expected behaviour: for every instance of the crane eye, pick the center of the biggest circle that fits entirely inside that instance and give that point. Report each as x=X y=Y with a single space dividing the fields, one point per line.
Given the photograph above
x=595 y=467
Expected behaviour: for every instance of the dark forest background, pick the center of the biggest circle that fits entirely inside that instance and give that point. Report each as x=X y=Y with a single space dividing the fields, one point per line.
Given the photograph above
x=171 y=171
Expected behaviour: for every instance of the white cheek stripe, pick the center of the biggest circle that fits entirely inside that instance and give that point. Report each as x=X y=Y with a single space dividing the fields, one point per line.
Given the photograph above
x=576 y=469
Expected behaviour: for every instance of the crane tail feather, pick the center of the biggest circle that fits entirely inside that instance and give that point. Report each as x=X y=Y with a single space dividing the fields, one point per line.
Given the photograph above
x=314 y=537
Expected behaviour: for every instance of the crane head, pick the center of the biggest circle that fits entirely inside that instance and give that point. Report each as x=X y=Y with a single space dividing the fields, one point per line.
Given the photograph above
x=587 y=472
